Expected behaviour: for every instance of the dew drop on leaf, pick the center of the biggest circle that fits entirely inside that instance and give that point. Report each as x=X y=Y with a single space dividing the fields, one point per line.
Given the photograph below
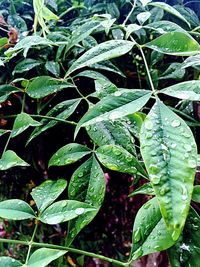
x=79 y=211
x=175 y=123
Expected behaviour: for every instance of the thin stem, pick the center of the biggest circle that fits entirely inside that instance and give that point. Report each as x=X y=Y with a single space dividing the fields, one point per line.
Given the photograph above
x=7 y=143
x=31 y=242
x=23 y=102
x=74 y=250
x=195 y=29
x=83 y=97
x=129 y=14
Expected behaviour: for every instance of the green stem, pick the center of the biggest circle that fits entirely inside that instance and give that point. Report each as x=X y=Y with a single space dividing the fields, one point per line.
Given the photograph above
x=31 y=242
x=7 y=143
x=74 y=250
x=70 y=9
x=129 y=14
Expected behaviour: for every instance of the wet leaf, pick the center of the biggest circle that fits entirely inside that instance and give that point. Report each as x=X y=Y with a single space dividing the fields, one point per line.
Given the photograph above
x=53 y=67
x=87 y=185
x=6 y=90
x=101 y=52
x=26 y=65
x=193 y=61
x=150 y=233
x=175 y=43
x=69 y=154
x=189 y=90
x=104 y=87
x=45 y=194
x=16 y=209
x=65 y=210
x=115 y=106
x=142 y=17
x=9 y=262
x=22 y=122
x=165 y=26
x=108 y=66
x=174 y=71
x=45 y=85
x=169 y=152
x=10 y=159
x=44 y=256
x=145 y=189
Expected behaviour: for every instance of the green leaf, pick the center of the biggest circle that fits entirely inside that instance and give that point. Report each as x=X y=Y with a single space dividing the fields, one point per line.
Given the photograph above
x=142 y=17
x=22 y=122
x=193 y=61
x=165 y=26
x=189 y=90
x=9 y=262
x=117 y=158
x=108 y=132
x=44 y=256
x=186 y=252
x=2 y=132
x=196 y=194
x=134 y=123
x=108 y=66
x=16 y=209
x=101 y=52
x=115 y=106
x=150 y=233
x=87 y=185
x=175 y=43
x=170 y=9
x=10 y=159
x=104 y=87
x=65 y=210
x=45 y=85
x=26 y=65
x=45 y=194
x=145 y=189
x=69 y=154
x=61 y=111
x=6 y=90
x=169 y=152
x=131 y=28
x=174 y=71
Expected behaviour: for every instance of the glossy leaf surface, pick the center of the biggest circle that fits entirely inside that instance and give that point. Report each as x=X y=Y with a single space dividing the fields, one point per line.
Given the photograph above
x=169 y=152
x=45 y=194
x=9 y=262
x=10 y=159
x=15 y=209
x=26 y=65
x=145 y=189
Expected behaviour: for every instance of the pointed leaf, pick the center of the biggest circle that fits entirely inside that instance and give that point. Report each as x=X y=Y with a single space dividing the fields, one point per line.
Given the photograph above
x=193 y=61
x=2 y=132
x=108 y=66
x=150 y=233
x=44 y=256
x=22 y=122
x=53 y=67
x=175 y=43
x=165 y=26
x=10 y=159
x=15 y=209
x=115 y=106
x=26 y=65
x=6 y=90
x=45 y=85
x=189 y=90
x=145 y=189
x=9 y=262
x=65 y=210
x=69 y=154
x=174 y=71
x=87 y=184
x=101 y=52
x=169 y=152
x=45 y=194
x=117 y=158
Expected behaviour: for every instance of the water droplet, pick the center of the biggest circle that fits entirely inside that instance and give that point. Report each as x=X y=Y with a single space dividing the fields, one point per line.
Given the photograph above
x=175 y=123
x=80 y=174
x=148 y=125
x=154 y=168
x=174 y=145
x=175 y=235
x=117 y=93
x=137 y=236
x=184 y=192
x=99 y=119
x=79 y=211
x=155 y=179
x=192 y=163
x=188 y=148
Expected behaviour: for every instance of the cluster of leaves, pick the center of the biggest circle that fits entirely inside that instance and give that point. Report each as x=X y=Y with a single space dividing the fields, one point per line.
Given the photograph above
x=78 y=79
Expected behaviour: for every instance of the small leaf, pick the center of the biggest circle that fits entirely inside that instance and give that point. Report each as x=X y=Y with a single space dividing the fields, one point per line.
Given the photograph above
x=53 y=67
x=189 y=90
x=165 y=26
x=87 y=184
x=131 y=28
x=69 y=154
x=145 y=189
x=43 y=256
x=101 y=52
x=45 y=194
x=2 y=132
x=196 y=194
x=174 y=71
x=9 y=262
x=117 y=158
x=45 y=85
x=169 y=152
x=143 y=17
x=115 y=106
x=150 y=233
x=26 y=65
x=104 y=87
x=175 y=43
x=193 y=61
x=108 y=66
x=15 y=209
x=6 y=90
x=22 y=122
x=10 y=159
x=65 y=210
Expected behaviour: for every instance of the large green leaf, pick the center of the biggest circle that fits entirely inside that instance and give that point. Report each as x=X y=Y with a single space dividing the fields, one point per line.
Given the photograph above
x=10 y=159
x=189 y=90
x=43 y=256
x=169 y=152
x=87 y=185
x=165 y=26
x=65 y=210
x=45 y=194
x=26 y=65
x=61 y=111
x=22 y=122
x=150 y=233
x=115 y=106
x=9 y=262
x=170 y=9
x=45 y=85
x=117 y=158
x=69 y=154
x=186 y=252
x=6 y=90
x=15 y=209
x=175 y=43
x=101 y=52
